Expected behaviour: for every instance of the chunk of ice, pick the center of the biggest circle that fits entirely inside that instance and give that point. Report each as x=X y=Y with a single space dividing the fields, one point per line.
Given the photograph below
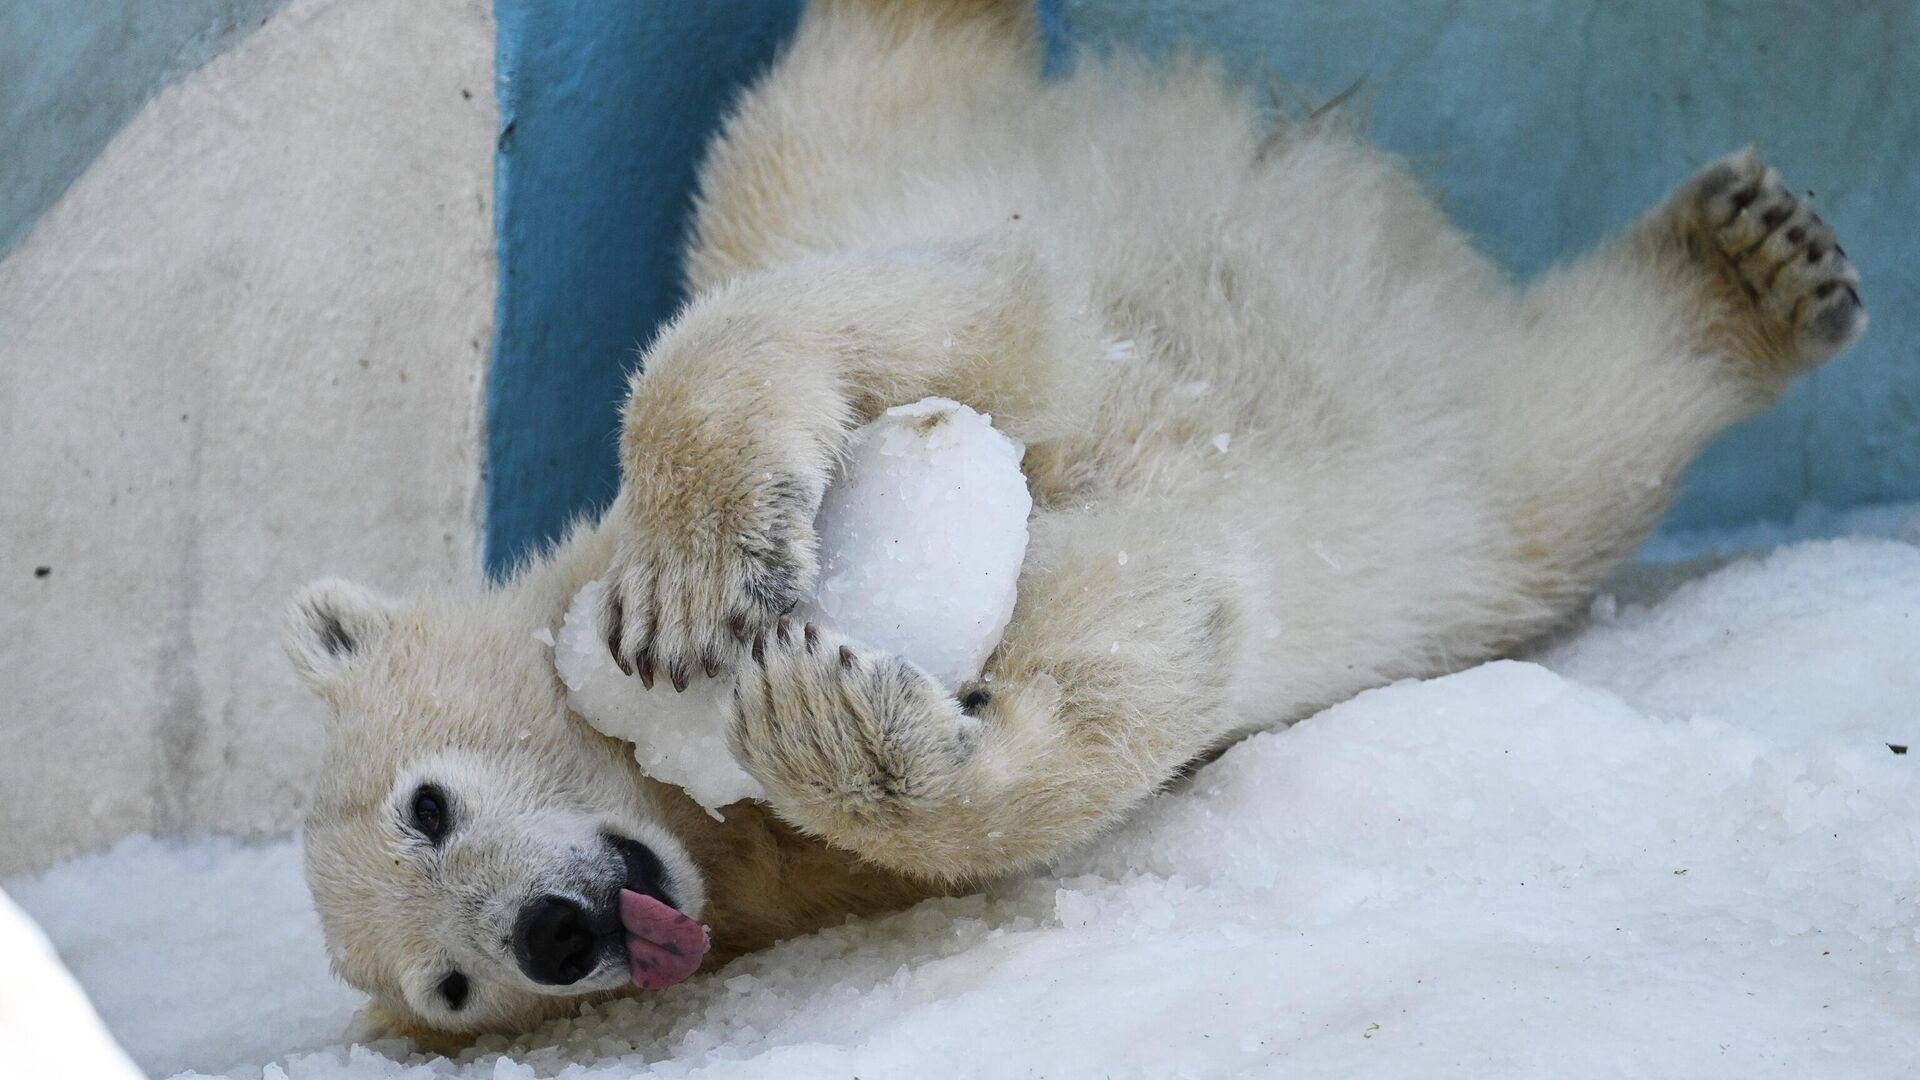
x=921 y=539
x=680 y=738
x=922 y=536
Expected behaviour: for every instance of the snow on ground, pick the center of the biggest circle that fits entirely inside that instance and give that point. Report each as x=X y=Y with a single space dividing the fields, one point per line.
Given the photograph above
x=197 y=953
x=1677 y=845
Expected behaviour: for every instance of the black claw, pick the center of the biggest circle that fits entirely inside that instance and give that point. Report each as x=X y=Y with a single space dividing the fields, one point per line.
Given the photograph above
x=812 y=636
x=784 y=628
x=759 y=648
x=710 y=664
x=678 y=676
x=738 y=626
x=846 y=657
x=615 y=626
x=645 y=663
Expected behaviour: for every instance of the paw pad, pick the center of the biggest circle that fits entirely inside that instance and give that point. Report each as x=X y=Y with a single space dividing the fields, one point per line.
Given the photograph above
x=1778 y=254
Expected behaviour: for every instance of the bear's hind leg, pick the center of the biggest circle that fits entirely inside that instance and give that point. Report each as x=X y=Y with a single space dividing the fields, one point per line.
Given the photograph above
x=1784 y=295
x=1622 y=366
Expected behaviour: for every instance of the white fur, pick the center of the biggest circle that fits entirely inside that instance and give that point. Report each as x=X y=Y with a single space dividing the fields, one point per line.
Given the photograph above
x=1423 y=465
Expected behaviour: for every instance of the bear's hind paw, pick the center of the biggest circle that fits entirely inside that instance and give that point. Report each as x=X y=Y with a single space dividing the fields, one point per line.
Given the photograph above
x=1773 y=252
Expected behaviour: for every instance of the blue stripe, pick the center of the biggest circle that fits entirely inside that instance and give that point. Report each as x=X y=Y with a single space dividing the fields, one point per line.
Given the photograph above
x=1053 y=36
x=604 y=111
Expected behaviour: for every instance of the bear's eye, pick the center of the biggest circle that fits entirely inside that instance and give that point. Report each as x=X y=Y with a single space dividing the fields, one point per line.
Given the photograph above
x=454 y=989
x=429 y=814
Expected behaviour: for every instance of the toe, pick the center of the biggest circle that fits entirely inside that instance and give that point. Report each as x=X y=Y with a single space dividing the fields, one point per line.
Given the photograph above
x=1836 y=315
x=1754 y=212
x=1727 y=187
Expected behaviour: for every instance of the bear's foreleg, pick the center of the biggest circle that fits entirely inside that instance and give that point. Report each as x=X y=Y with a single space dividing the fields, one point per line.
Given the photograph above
x=1113 y=677
x=733 y=427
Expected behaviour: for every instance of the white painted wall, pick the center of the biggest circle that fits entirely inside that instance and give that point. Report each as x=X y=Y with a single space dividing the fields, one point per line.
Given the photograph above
x=245 y=349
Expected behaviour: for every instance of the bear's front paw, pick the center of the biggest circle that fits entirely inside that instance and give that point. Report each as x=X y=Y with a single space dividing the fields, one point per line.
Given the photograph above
x=833 y=730
x=697 y=572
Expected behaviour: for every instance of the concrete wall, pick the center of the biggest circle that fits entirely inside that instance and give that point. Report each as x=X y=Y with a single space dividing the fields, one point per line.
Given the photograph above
x=72 y=73
x=245 y=349
x=1548 y=124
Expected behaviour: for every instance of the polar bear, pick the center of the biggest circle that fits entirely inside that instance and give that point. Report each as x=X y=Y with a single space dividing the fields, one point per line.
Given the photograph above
x=1424 y=466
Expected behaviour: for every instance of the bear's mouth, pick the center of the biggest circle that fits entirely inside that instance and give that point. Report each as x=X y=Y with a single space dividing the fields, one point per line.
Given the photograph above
x=663 y=945
x=643 y=872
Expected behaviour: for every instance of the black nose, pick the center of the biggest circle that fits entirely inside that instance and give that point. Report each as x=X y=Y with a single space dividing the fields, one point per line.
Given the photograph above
x=553 y=942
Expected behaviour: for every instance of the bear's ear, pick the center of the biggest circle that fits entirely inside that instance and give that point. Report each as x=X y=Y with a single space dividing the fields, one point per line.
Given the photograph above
x=331 y=625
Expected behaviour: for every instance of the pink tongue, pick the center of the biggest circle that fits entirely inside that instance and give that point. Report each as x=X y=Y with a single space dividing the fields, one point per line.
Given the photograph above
x=663 y=946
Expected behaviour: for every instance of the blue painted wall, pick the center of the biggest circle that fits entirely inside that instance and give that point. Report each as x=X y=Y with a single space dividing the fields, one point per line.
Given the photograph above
x=1544 y=126
x=73 y=71
x=604 y=109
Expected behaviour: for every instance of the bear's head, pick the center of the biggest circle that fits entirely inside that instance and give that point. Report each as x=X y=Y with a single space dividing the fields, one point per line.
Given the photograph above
x=470 y=838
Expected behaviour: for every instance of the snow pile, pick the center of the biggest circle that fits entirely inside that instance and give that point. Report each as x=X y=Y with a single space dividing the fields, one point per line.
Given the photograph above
x=921 y=539
x=1679 y=845
x=1809 y=645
